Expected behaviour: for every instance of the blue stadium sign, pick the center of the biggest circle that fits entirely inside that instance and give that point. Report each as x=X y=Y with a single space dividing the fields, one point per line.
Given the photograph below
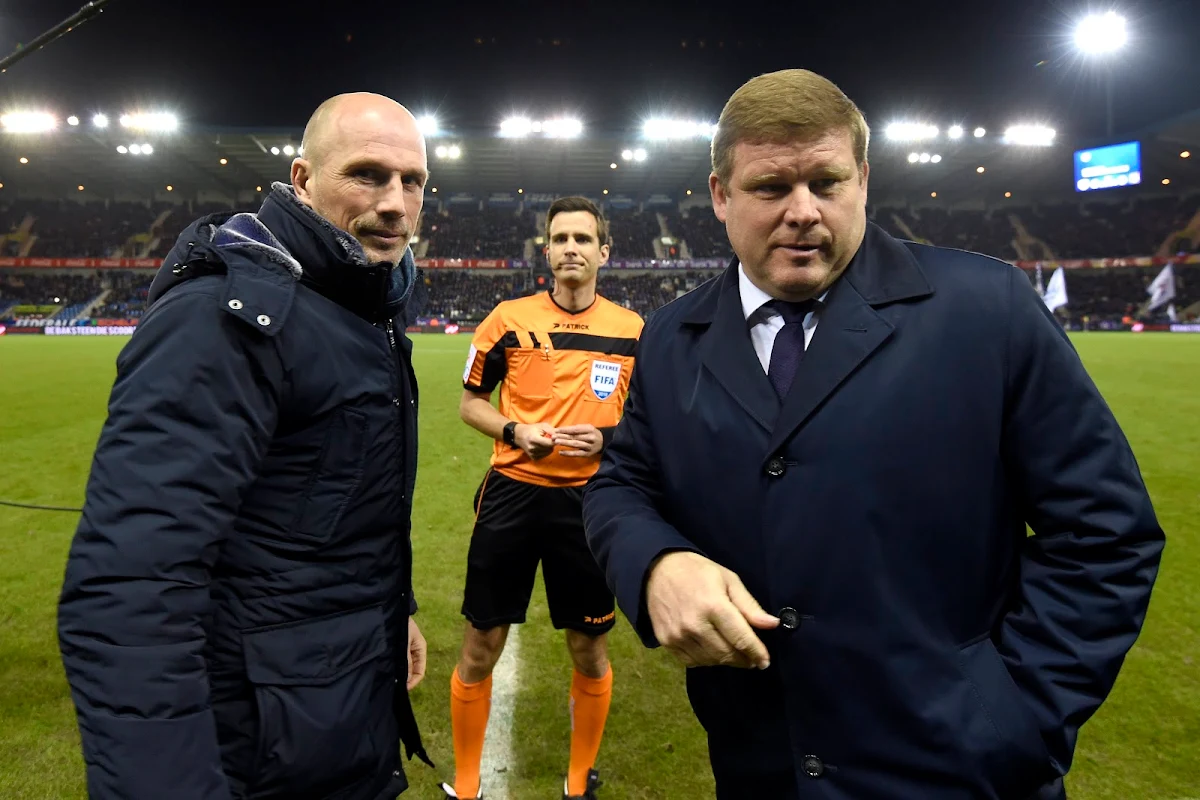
x=1108 y=167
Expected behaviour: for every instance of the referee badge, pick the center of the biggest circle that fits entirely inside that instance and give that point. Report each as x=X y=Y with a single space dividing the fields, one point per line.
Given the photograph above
x=604 y=378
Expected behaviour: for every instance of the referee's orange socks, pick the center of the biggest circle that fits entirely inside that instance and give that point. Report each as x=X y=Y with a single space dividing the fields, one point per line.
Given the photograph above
x=590 y=699
x=470 y=704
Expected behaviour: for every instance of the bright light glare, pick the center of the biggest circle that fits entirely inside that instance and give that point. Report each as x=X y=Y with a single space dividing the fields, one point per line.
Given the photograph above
x=925 y=158
x=440 y=151
x=274 y=151
x=288 y=150
x=639 y=154
x=955 y=132
x=150 y=122
x=454 y=151
x=627 y=155
x=936 y=159
x=1030 y=135
x=564 y=128
x=147 y=150
x=28 y=122
x=122 y=149
x=910 y=131
x=72 y=120
x=100 y=120
x=135 y=149
x=980 y=133
x=661 y=128
x=516 y=127
x=913 y=157
x=428 y=125
x=1097 y=34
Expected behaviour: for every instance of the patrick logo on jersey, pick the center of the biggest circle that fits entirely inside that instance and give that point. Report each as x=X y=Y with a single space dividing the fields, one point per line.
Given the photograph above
x=605 y=375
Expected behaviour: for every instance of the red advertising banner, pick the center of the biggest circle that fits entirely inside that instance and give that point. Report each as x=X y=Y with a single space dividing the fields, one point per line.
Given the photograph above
x=463 y=263
x=83 y=263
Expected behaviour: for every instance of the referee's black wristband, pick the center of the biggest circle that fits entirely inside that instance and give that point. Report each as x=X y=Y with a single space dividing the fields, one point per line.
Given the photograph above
x=510 y=434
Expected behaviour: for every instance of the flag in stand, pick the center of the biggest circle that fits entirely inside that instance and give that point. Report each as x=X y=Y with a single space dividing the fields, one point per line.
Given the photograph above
x=1056 y=291
x=1162 y=288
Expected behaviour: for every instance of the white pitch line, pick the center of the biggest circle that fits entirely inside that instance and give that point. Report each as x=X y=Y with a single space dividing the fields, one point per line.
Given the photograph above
x=498 y=756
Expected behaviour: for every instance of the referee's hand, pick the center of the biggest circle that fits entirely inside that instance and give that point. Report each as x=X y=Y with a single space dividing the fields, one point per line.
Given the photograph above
x=583 y=441
x=537 y=440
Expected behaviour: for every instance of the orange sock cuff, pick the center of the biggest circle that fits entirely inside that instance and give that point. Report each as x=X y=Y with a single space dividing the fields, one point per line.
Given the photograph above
x=469 y=692
x=596 y=687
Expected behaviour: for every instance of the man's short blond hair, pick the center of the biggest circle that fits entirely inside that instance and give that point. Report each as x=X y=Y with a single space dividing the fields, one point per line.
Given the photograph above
x=784 y=106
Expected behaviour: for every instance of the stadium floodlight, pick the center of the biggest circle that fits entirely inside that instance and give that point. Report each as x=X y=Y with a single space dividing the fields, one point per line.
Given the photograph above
x=1097 y=34
x=147 y=150
x=288 y=150
x=910 y=131
x=427 y=124
x=28 y=122
x=72 y=120
x=122 y=149
x=613 y=165
x=135 y=149
x=924 y=157
x=516 y=127
x=913 y=157
x=275 y=151
x=150 y=122
x=1029 y=135
x=562 y=128
x=440 y=151
x=454 y=152
x=980 y=133
x=639 y=154
x=1186 y=154
x=936 y=159
x=663 y=128
x=627 y=155
x=100 y=120
x=980 y=170
x=955 y=132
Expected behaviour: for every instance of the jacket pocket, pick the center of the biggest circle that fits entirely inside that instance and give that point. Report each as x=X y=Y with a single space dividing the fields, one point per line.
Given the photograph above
x=335 y=478
x=1016 y=758
x=323 y=690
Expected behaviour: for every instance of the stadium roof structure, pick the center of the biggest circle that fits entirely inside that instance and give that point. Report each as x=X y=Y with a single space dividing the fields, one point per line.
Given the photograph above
x=237 y=161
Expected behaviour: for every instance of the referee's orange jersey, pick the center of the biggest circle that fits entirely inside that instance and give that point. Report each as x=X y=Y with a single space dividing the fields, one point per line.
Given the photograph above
x=554 y=366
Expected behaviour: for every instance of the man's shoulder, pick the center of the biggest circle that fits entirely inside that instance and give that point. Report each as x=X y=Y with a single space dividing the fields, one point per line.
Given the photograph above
x=943 y=264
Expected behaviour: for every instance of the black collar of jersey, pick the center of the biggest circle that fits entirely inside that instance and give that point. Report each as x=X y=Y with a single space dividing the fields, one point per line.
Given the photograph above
x=550 y=293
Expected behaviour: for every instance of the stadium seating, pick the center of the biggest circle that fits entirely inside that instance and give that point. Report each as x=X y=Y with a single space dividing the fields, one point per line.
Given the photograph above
x=63 y=228
x=478 y=233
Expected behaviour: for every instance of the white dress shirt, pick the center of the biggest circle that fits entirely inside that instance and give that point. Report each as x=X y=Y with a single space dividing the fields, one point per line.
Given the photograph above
x=765 y=322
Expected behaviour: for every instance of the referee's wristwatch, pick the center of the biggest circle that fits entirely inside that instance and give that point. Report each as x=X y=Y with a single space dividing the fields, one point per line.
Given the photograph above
x=510 y=434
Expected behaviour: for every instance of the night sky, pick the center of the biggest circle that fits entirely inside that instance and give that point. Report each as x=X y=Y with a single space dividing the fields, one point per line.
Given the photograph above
x=252 y=63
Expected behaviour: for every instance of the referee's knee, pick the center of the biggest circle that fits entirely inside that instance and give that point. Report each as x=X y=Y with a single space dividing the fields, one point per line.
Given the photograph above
x=481 y=650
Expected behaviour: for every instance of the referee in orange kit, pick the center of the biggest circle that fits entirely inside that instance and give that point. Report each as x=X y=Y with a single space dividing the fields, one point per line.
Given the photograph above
x=562 y=360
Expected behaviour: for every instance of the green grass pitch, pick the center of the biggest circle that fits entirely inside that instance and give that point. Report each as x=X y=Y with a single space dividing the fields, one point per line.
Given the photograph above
x=1143 y=745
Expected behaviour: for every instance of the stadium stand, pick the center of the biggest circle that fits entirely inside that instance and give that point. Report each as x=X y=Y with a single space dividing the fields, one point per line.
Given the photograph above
x=478 y=233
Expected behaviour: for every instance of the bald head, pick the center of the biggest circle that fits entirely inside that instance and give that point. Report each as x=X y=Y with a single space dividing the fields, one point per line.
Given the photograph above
x=341 y=114
x=363 y=167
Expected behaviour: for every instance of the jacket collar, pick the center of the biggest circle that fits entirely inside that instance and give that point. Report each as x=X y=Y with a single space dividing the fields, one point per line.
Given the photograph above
x=850 y=331
x=265 y=254
x=882 y=271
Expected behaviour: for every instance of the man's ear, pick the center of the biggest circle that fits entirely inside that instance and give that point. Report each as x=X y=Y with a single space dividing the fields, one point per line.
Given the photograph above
x=302 y=173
